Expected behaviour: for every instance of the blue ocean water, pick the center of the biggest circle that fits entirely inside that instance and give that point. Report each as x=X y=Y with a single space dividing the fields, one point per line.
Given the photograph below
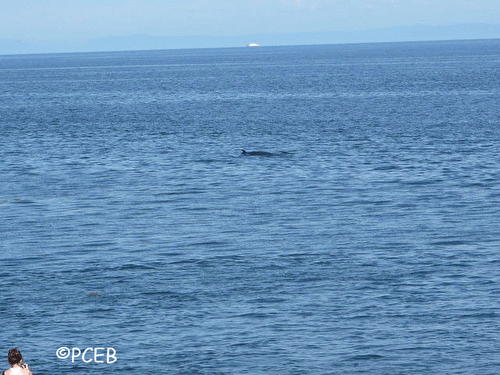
x=370 y=243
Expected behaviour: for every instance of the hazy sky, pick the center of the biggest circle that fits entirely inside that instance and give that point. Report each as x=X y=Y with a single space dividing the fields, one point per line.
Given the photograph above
x=60 y=19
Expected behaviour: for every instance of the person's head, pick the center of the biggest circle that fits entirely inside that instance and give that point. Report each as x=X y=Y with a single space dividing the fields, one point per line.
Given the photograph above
x=15 y=357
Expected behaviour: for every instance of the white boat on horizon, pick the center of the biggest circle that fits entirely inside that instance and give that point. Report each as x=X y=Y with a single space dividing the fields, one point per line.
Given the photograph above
x=253 y=45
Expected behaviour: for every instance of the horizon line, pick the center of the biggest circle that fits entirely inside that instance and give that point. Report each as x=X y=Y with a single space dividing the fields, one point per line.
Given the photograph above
x=147 y=42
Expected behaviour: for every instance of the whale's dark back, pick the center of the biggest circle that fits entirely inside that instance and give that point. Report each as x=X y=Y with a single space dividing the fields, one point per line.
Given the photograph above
x=257 y=153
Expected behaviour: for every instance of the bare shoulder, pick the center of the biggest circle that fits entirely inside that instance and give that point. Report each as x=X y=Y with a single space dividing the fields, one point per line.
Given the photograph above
x=24 y=371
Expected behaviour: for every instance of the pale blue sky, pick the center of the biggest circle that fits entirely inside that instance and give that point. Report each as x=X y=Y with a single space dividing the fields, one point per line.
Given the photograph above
x=47 y=19
x=80 y=20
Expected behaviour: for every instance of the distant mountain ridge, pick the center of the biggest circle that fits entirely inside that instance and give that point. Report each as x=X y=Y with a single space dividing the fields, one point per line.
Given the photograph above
x=151 y=42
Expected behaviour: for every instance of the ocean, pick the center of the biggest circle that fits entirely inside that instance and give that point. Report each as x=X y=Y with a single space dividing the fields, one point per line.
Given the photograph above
x=136 y=238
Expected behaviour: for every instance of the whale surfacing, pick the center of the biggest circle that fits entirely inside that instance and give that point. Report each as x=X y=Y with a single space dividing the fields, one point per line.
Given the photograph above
x=257 y=153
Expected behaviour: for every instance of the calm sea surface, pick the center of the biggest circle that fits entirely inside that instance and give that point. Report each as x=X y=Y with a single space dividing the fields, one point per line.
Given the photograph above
x=370 y=242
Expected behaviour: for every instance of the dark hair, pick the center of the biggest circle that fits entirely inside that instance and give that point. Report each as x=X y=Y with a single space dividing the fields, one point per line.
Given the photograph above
x=15 y=356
